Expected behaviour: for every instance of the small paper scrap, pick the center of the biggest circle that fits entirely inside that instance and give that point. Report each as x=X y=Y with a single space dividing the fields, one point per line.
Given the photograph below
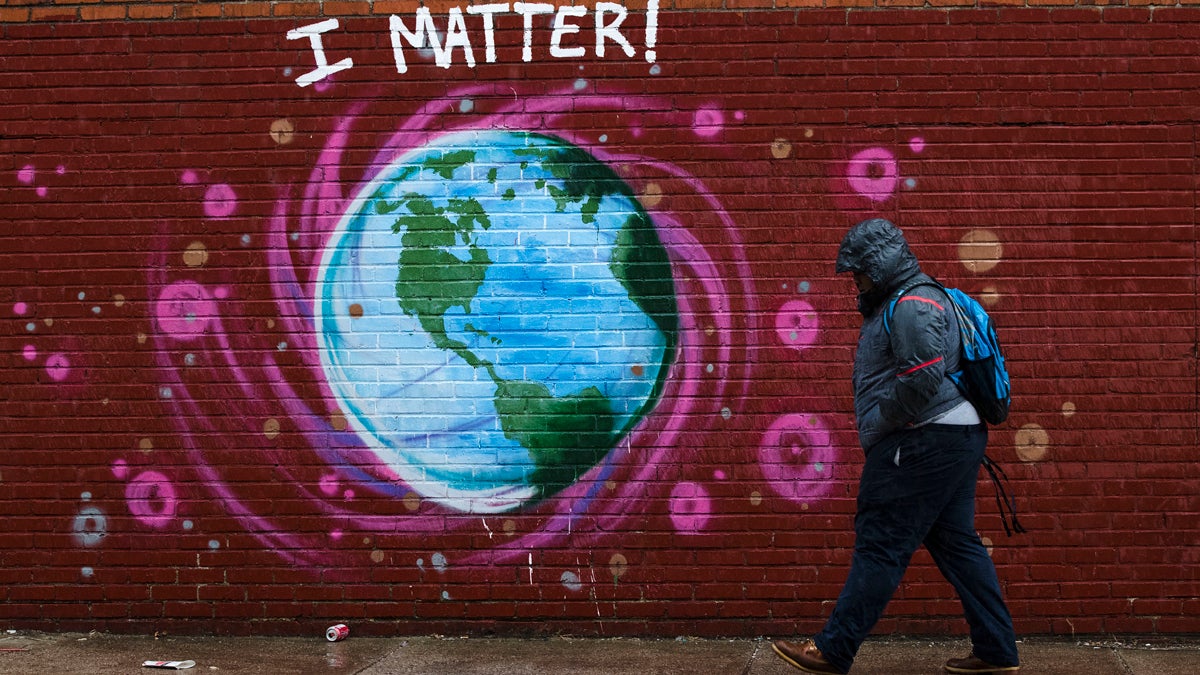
x=169 y=665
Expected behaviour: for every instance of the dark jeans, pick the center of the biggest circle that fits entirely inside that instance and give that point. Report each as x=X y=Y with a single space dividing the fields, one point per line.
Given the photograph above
x=928 y=498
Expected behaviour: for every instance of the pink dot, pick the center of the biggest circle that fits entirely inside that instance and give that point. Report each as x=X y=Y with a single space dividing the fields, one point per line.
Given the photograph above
x=719 y=474
x=30 y=352
x=708 y=122
x=42 y=191
x=189 y=177
x=220 y=201
x=335 y=535
x=120 y=470
x=25 y=175
x=917 y=144
x=20 y=308
x=797 y=457
x=873 y=174
x=690 y=507
x=329 y=484
x=184 y=310
x=739 y=115
x=60 y=170
x=796 y=324
x=348 y=495
x=151 y=498
x=221 y=292
x=58 y=367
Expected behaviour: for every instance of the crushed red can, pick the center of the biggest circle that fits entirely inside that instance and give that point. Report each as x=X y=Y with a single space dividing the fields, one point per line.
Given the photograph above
x=337 y=632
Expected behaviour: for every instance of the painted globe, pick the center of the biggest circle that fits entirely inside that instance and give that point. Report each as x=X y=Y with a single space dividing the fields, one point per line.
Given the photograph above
x=495 y=313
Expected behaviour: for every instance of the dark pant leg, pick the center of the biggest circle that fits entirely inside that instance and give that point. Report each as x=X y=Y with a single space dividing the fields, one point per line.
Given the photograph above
x=897 y=506
x=963 y=560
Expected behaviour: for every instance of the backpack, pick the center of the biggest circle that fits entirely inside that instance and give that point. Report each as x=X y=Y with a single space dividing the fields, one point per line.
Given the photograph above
x=982 y=378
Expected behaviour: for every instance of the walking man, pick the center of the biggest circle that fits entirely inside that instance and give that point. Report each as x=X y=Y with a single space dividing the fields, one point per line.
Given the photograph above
x=924 y=445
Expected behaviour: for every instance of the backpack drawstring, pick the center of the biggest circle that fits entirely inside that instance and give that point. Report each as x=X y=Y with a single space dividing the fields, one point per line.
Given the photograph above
x=1003 y=498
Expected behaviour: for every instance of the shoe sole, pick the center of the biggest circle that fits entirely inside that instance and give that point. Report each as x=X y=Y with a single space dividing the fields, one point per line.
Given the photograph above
x=802 y=669
x=989 y=671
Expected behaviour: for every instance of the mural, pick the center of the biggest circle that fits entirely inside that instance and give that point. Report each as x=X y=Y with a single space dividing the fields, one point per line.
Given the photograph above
x=495 y=330
x=523 y=314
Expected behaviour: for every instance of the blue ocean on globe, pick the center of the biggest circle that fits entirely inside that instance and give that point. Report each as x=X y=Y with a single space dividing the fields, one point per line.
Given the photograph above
x=495 y=313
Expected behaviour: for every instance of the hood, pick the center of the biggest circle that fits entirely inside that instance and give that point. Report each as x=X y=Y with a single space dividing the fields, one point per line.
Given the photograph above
x=877 y=248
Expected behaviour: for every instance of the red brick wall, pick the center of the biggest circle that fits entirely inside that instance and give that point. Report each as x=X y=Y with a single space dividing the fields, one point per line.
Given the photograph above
x=173 y=455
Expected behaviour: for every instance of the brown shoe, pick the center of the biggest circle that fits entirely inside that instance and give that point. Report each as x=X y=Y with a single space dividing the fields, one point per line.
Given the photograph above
x=805 y=656
x=976 y=665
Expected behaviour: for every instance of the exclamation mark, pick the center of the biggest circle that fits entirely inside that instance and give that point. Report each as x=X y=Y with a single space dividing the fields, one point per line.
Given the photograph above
x=651 y=29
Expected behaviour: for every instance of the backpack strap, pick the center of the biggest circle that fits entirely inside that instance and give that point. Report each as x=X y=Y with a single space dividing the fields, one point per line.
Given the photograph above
x=1003 y=498
x=890 y=308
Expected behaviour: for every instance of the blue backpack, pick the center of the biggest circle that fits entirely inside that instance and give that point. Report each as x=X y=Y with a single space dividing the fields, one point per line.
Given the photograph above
x=983 y=379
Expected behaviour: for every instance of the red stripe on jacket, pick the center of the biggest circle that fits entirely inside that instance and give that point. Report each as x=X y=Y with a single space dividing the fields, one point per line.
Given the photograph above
x=917 y=297
x=914 y=369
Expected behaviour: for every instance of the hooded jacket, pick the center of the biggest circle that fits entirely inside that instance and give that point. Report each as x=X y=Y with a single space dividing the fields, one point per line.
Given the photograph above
x=899 y=379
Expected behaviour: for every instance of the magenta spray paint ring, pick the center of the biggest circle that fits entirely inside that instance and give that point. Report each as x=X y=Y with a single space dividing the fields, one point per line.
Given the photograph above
x=337 y=632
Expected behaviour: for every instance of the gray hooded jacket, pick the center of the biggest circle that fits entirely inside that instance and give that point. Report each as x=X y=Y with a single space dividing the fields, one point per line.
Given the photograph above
x=899 y=379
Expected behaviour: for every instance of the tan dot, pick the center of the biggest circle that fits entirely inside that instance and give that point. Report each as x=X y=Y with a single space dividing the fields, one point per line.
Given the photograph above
x=652 y=195
x=510 y=527
x=141 y=338
x=618 y=565
x=195 y=255
x=356 y=311
x=804 y=507
x=118 y=300
x=610 y=485
x=49 y=321
x=808 y=133
x=637 y=371
x=338 y=421
x=412 y=501
x=145 y=445
x=756 y=498
x=377 y=556
x=709 y=330
x=1032 y=443
x=271 y=428
x=781 y=148
x=989 y=296
x=282 y=131
x=1068 y=409
x=270 y=323
x=980 y=250
x=366 y=541
x=104 y=402
x=987 y=543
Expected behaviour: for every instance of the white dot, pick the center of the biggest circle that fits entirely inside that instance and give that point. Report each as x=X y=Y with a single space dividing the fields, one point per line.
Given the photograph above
x=187 y=525
x=87 y=572
x=214 y=544
x=726 y=413
x=571 y=581
x=86 y=496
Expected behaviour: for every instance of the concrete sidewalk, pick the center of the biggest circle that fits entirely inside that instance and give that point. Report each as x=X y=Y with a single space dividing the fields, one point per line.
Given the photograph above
x=34 y=653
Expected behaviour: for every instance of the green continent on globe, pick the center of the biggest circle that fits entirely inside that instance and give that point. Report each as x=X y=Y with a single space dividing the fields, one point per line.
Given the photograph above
x=565 y=435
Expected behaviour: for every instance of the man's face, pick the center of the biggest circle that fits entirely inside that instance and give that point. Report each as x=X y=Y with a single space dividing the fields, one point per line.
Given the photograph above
x=863 y=282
